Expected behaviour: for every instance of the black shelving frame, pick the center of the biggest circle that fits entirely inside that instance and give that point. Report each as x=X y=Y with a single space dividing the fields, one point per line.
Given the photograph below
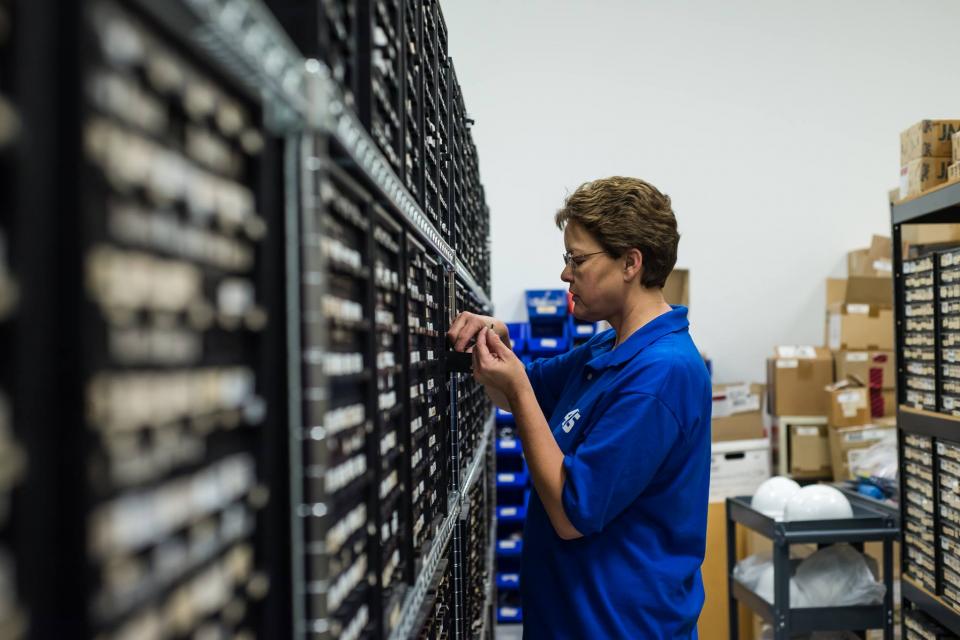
x=339 y=135
x=239 y=43
x=869 y=523
x=60 y=341
x=939 y=206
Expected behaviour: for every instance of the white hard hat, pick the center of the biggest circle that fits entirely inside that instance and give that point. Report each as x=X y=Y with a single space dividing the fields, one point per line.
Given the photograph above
x=771 y=496
x=818 y=502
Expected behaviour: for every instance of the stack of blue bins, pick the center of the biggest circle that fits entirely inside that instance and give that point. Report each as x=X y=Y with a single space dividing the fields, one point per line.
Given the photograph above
x=513 y=493
x=551 y=330
x=548 y=331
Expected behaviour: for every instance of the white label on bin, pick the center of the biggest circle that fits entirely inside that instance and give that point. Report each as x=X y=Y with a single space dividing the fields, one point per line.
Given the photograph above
x=807 y=431
x=858 y=356
x=506 y=477
x=508 y=544
x=547 y=309
x=584 y=329
x=548 y=342
x=859 y=309
x=790 y=363
x=509 y=612
x=508 y=511
x=510 y=577
x=508 y=444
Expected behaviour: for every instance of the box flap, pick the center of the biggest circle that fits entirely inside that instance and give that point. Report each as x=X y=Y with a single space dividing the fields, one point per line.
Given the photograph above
x=677 y=288
x=881 y=248
x=729 y=399
x=836 y=291
x=850 y=382
x=871 y=290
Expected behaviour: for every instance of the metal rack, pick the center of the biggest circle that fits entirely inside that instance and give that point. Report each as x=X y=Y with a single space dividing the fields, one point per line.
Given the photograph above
x=328 y=114
x=936 y=428
x=412 y=607
x=334 y=126
x=869 y=523
x=298 y=112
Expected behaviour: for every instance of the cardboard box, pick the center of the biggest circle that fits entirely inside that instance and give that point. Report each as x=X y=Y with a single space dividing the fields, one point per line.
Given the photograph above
x=888 y=403
x=922 y=175
x=859 y=327
x=874 y=261
x=737 y=412
x=955 y=146
x=868 y=366
x=847 y=444
x=925 y=234
x=871 y=290
x=714 y=619
x=953 y=172
x=849 y=404
x=926 y=139
x=677 y=288
x=809 y=451
x=893 y=195
x=796 y=377
x=738 y=467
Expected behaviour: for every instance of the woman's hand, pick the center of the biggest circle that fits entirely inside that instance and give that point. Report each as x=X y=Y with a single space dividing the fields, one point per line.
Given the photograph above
x=467 y=326
x=496 y=367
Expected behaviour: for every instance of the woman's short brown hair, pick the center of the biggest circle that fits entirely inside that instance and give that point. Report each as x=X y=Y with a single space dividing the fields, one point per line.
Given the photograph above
x=626 y=213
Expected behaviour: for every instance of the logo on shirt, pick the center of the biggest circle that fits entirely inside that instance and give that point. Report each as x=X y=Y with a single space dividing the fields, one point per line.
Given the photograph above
x=570 y=419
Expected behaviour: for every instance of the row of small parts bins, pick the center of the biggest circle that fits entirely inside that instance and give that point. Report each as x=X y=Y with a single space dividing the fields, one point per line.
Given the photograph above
x=513 y=494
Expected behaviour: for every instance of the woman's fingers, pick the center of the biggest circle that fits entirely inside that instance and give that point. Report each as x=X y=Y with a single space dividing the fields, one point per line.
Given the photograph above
x=483 y=362
x=453 y=333
x=495 y=344
x=469 y=331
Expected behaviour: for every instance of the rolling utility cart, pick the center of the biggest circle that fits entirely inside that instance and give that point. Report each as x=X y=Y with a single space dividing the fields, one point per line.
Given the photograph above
x=870 y=523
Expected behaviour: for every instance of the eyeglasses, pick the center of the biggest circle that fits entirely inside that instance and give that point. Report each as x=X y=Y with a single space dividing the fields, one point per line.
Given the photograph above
x=575 y=261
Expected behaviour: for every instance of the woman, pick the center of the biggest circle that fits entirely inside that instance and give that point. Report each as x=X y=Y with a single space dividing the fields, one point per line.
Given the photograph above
x=616 y=433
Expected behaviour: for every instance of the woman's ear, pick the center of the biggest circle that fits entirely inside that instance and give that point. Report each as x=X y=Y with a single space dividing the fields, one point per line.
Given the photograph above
x=632 y=264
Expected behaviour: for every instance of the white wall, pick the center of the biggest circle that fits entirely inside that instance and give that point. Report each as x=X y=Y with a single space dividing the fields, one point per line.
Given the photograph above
x=773 y=126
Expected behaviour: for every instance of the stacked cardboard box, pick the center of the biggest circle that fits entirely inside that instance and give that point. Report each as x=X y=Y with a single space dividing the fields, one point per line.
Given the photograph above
x=860 y=324
x=796 y=376
x=953 y=171
x=851 y=428
x=926 y=150
x=859 y=339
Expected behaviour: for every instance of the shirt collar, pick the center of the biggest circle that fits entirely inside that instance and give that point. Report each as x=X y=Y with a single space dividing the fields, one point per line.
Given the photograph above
x=602 y=354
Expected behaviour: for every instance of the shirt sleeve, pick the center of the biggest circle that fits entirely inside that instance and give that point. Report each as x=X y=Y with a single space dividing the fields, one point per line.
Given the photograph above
x=617 y=460
x=548 y=377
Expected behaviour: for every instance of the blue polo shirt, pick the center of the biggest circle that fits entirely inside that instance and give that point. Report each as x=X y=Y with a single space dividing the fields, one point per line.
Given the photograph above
x=634 y=426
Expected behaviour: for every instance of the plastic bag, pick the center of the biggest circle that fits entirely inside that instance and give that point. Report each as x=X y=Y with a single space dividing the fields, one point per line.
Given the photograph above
x=838 y=576
x=749 y=569
x=876 y=461
x=756 y=573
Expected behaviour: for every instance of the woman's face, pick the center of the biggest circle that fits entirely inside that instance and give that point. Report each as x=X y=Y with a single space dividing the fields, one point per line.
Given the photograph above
x=596 y=281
